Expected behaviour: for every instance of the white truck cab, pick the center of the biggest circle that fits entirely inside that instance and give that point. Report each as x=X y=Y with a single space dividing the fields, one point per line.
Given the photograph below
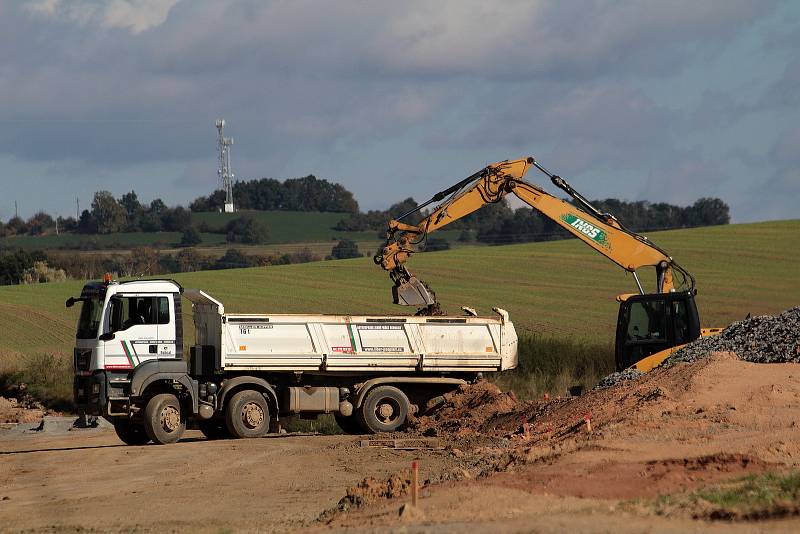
x=246 y=370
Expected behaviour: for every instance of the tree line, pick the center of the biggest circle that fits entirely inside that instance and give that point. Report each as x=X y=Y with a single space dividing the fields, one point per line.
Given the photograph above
x=108 y=215
x=295 y=194
x=24 y=267
x=498 y=223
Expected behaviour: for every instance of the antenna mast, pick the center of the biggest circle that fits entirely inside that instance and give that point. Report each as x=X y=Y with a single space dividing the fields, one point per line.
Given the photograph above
x=225 y=173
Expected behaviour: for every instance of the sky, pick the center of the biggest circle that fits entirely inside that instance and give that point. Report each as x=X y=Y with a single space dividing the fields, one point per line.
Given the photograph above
x=640 y=100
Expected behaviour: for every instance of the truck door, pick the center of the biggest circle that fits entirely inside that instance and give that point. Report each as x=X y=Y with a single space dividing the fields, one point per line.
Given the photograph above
x=167 y=327
x=132 y=331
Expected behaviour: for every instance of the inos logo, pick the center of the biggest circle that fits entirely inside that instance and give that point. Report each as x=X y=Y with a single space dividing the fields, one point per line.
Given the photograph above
x=588 y=229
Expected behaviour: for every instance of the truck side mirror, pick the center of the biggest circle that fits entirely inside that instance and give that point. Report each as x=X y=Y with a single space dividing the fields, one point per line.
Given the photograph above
x=70 y=302
x=108 y=336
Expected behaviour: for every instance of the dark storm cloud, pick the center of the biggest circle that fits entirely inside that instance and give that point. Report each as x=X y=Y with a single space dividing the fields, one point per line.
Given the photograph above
x=139 y=82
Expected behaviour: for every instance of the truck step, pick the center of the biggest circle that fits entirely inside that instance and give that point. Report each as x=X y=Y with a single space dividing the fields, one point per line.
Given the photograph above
x=404 y=444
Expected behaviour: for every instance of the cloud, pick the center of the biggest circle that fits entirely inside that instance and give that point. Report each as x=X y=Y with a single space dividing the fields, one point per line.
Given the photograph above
x=608 y=92
x=136 y=16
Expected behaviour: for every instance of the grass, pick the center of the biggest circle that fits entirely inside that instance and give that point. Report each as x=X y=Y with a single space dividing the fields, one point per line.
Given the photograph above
x=103 y=241
x=751 y=497
x=551 y=364
x=555 y=290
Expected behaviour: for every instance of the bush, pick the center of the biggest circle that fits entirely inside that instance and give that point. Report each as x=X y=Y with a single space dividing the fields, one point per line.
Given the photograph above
x=247 y=230
x=235 y=259
x=190 y=237
x=345 y=249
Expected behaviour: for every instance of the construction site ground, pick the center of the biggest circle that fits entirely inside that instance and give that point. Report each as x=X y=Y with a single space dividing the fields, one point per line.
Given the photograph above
x=506 y=466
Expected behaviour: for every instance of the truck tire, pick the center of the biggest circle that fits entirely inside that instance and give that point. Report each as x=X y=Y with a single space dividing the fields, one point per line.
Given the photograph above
x=164 y=420
x=214 y=428
x=247 y=415
x=348 y=424
x=129 y=432
x=384 y=409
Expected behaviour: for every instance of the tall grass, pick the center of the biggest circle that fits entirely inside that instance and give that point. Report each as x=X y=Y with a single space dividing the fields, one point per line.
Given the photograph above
x=547 y=364
x=552 y=364
x=47 y=377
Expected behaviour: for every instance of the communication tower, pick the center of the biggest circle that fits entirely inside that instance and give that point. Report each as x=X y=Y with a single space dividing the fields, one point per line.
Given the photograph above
x=225 y=173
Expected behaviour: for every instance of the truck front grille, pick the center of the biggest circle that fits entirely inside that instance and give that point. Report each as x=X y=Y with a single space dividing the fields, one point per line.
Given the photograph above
x=83 y=359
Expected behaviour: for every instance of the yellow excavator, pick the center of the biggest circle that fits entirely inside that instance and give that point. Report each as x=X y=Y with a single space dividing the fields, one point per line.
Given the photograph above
x=650 y=326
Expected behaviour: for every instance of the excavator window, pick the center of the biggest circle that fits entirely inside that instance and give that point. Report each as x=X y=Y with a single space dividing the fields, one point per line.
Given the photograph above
x=680 y=319
x=647 y=321
x=648 y=324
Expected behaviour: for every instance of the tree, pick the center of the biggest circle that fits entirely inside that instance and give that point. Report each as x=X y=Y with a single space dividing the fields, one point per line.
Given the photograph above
x=247 y=229
x=40 y=223
x=190 y=237
x=67 y=224
x=133 y=210
x=176 y=220
x=109 y=215
x=189 y=260
x=87 y=223
x=235 y=259
x=344 y=249
x=16 y=226
x=709 y=212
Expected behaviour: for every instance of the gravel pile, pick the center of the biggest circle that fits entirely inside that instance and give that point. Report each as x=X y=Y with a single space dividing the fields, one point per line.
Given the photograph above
x=762 y=339
x=616 y=378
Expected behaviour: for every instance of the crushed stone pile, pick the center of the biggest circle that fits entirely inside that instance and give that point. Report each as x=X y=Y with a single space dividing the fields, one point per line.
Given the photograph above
x=621 y=376
x=761 y=339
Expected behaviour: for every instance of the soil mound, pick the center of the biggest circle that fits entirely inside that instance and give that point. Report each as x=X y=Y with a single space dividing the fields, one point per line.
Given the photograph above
x=14 y=411
x=465 y=411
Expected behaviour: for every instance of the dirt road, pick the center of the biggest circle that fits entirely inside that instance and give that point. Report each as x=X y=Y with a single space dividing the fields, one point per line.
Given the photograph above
x=88 y=481
x=508 y=466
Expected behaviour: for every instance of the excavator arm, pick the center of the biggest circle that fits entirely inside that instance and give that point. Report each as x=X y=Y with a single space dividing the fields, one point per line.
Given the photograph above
x=601 y=231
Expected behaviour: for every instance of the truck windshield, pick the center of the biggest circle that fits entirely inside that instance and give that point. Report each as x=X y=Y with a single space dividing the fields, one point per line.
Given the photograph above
x=91 y=312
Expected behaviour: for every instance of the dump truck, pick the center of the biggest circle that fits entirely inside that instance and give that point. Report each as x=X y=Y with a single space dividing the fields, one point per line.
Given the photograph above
x=243 y=372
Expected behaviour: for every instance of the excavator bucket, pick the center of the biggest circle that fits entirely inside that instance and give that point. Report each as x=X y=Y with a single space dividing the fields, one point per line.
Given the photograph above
x=412 y=293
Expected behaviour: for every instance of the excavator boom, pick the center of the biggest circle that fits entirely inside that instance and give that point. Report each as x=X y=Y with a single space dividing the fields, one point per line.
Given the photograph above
x=601 y=231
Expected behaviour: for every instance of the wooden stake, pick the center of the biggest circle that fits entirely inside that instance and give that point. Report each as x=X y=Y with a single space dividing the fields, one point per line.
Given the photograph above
x=588 y=419
x=414 y=483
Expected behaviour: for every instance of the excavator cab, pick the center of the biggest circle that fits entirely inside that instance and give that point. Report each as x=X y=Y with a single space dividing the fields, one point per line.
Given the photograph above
x=648 y=324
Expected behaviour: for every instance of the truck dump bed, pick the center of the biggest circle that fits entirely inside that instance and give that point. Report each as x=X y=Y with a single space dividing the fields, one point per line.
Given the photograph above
x=331 y=343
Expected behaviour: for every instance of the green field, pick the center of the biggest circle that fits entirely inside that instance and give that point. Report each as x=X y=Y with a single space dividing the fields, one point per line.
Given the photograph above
x=285 y=227
x=560 y=288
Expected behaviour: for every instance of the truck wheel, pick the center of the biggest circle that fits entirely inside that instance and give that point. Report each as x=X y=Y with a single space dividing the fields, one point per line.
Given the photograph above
x=163 y=420
x=348 y=424
x=384 y=409
x=247 y=415
x=129 y=432
x=214 y=428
